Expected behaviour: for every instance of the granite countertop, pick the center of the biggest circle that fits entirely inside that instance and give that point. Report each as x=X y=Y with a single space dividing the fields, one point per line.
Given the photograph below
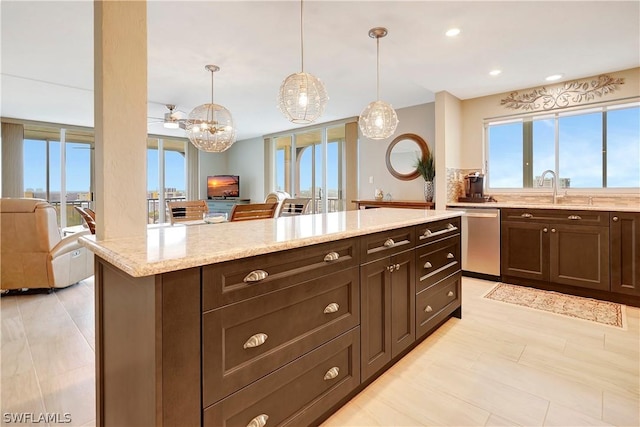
x=170 y=248
x=565 y=206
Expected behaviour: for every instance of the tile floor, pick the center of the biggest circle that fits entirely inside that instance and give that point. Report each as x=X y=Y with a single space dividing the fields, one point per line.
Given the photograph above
x=501 y=365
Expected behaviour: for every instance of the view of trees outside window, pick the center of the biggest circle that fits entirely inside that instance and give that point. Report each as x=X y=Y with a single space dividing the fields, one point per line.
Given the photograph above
x=589 y=155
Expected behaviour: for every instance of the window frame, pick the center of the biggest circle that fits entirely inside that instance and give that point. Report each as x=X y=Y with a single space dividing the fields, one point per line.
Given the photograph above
x=527 y=160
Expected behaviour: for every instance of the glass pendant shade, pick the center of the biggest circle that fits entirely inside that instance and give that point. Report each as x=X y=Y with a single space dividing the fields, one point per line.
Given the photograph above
x=302 y=98
x=378 y=120
x=210 y=126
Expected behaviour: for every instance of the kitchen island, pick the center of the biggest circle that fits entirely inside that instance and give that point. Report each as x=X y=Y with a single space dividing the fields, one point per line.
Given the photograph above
x=275 y=321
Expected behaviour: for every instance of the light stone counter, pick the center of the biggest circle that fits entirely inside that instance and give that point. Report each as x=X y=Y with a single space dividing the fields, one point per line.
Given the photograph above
x=179 y=247
x=565 y=206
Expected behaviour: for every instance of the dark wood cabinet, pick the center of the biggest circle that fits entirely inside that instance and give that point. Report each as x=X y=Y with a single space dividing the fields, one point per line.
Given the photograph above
x=557 y=246
x=625 y=252
x=387 y=295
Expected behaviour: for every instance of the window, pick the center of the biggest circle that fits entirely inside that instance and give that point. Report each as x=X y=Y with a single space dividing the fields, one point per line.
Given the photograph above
x=589 y=149
x=166 y=175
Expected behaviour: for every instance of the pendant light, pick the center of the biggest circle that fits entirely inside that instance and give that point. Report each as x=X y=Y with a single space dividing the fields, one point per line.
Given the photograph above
x=378 y=120
x=302 y=96
x=210 y=126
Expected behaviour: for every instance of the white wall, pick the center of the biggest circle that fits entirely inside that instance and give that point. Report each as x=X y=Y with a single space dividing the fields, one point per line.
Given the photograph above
x=246 y=158
x=419 y=119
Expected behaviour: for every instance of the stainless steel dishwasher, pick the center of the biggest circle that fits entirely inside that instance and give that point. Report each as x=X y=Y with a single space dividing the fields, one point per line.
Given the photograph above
x=480 y=242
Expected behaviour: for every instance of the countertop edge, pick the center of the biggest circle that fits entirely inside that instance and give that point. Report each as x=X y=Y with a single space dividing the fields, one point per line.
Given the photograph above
x=128 y=264
x=507 y=205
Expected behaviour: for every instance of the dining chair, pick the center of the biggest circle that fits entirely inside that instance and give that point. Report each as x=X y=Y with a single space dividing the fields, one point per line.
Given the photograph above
x=292 y=207
x=253 y=211
x=190 y=210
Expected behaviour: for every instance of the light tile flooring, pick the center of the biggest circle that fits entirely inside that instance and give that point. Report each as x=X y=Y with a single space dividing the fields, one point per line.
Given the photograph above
x=500 y=365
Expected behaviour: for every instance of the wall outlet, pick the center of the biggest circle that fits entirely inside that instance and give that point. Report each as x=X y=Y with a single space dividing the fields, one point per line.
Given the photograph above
x=370 y=180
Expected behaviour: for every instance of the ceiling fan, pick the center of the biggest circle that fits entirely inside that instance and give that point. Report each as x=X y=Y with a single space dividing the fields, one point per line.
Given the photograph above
x=173 y=119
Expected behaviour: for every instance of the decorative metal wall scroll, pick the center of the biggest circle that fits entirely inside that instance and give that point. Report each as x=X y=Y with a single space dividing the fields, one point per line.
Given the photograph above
x=570 y=93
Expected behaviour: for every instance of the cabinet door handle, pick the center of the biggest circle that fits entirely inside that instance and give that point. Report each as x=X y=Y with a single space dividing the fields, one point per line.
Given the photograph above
x=332 y=373
x=527 y=215
x=450 y=256
x=615 y=219
x=429 y=233
x=390 y=268
x=427 y=265
x=545 y=229
x=332 y=308
x=255 y=276
x=428 y=309
x=574 y=217
x=450 y=294
x=331 y=256
x=553 y=230
x=397 y=266
x=255 y=340
x=388 y=243
x=259 y=421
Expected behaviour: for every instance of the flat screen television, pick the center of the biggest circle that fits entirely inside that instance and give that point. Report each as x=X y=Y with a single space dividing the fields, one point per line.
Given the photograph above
x=223 y=186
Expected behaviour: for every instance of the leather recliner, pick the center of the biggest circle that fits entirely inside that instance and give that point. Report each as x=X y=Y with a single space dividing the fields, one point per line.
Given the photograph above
x=32 y=252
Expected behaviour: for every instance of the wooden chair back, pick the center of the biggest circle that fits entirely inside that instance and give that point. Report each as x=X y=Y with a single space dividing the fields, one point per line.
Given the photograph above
x=191 y=210
x=253 y=211
x=88 y=216
x=291 y=207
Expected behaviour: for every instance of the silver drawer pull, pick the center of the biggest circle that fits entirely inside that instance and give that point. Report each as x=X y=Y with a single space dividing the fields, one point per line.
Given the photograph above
x=331 y=256
x=397 y=266
x=428 y=309
x=331 y=308
x=388 y=243
x=259 y=421
x=450 y=294
x=255 y=276
x=450 y=256
x=427 y=265
x=429 y=233
x=332 y=373
x=256 y=340
x=574 y=217
x=527 y=215
x=615 y=219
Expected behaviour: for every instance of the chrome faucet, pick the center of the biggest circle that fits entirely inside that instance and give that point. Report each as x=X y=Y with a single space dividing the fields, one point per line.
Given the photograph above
x=554 y=183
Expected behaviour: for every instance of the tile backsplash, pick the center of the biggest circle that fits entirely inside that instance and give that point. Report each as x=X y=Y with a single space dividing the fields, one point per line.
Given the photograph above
x=455 y=189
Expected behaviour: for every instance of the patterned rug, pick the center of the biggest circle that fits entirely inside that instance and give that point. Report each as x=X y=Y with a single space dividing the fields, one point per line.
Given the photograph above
x=603 y=312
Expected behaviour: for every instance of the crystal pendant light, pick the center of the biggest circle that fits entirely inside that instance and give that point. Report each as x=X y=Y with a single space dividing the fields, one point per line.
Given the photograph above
x=302 y=96
x=378 y=120
x=210 y=126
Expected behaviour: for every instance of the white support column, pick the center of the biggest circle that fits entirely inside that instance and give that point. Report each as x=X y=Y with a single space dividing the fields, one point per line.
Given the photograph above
x=120 y=80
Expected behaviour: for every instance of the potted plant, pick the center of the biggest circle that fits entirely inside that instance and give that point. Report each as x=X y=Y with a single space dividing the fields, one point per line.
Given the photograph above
x=427 y=170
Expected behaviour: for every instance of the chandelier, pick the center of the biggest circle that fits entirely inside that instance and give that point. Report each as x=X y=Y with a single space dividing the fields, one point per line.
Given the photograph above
x=210 y=126
x=378 y=120
x=302 y=96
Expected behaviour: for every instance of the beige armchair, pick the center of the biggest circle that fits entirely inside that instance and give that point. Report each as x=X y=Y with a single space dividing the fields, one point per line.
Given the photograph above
x=32 y=253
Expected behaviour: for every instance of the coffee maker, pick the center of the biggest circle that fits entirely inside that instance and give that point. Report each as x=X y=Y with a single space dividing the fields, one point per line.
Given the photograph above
x=473 y=188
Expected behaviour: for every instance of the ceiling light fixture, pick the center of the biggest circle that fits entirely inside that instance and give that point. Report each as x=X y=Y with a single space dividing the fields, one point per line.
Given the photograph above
x=452 y=32
x=495 y=72
x=302 y=97
x=210 y=126
x=171 y=120
x=378 y=120
x=554 y=77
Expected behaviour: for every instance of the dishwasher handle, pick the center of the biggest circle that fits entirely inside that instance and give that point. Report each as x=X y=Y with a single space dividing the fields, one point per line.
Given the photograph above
x=480 y=215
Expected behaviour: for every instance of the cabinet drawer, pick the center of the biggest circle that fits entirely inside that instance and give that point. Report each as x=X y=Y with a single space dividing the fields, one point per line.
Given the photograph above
x=230 y=282
x=558 y=216
x=436 y=261
x=430 y=232
x=245 y=341
x=298 y=393
x=386 y=243
x=434 y=304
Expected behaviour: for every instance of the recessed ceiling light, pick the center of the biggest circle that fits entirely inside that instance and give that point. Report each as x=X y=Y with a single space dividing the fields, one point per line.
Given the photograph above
x=495 y=72
x=453 y=32
x=554 y=77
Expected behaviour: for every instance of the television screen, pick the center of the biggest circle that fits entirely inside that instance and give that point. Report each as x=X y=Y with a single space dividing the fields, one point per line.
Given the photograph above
x=223 y=186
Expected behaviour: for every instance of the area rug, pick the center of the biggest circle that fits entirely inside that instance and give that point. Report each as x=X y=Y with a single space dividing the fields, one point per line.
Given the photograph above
x=602 y=312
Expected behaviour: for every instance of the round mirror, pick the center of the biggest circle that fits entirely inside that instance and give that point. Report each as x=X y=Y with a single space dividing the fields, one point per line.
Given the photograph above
x=402 y=154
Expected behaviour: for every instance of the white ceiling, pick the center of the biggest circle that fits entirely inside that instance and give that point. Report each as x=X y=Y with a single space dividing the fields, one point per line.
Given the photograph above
x=47 y=53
